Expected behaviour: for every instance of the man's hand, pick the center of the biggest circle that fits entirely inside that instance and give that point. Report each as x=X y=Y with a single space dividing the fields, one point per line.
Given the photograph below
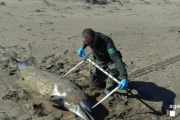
x=84 y=57
x=123 y=84
x=81 y=52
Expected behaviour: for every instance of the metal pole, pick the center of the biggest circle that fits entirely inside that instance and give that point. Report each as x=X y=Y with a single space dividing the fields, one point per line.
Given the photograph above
x=105 y=97
x=73 y=68
x=109 y=75
x=103 y=71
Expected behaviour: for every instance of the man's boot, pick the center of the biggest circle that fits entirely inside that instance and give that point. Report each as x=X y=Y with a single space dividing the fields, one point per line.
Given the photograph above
x=96 y=80
x=110 y=85
x=111 y=97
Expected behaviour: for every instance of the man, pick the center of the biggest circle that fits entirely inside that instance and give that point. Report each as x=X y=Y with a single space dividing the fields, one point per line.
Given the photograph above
x=107 y=57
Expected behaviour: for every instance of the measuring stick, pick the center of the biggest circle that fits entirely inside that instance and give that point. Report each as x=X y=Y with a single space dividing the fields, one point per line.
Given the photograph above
x=109 y=75
x=73 y=68
x=105 y=97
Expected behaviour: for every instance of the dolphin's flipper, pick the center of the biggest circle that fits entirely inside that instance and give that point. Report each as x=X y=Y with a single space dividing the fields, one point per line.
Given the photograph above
x=86 y=107
x=85 y=104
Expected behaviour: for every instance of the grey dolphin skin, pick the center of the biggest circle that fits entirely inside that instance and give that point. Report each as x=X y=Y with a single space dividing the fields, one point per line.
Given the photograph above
x=50 y=85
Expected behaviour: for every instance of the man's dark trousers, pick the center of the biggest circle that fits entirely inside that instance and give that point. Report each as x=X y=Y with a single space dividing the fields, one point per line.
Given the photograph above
x=97 y=77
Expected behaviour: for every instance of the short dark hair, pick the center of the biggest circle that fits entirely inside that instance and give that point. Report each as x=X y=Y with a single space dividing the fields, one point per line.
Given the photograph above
x=87 y=33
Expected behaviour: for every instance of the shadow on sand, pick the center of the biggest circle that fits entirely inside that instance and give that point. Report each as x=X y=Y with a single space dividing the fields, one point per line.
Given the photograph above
x=151 y=92
x=99 y=112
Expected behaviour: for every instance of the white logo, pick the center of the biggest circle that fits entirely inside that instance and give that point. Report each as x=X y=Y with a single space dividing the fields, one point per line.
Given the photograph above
x=174 y=107
x=172 y=113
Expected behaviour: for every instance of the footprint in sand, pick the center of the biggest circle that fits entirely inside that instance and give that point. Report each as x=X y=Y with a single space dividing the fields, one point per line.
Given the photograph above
x=2 y=4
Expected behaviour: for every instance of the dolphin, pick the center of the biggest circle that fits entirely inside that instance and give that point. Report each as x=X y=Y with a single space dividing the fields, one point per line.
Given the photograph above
x=63 y=92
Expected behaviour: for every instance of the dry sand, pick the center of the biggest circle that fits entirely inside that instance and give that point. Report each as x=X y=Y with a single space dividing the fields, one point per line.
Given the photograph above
x=47 y=35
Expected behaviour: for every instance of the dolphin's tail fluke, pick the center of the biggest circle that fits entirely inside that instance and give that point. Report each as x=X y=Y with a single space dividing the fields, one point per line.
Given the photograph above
x=87 y=109
x=21 y=65
x=13 y=58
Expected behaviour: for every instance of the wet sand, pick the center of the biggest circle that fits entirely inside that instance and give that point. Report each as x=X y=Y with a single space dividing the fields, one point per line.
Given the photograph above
x=47 y=35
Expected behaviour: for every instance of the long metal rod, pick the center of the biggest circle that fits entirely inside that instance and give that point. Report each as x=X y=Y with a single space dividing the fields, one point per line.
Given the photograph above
x=105 y=97
x=116 y=88
x=73 y=68
x=103 y=70
x=109 y=75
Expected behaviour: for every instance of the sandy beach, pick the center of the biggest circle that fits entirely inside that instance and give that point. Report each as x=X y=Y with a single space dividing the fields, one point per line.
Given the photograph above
x=47 y=34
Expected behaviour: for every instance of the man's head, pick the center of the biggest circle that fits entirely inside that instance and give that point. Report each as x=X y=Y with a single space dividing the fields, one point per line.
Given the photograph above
x=89 y=37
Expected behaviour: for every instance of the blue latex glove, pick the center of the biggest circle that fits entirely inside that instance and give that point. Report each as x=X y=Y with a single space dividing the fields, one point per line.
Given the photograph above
x=84 y=57
x=123 y=84
x=80 y=52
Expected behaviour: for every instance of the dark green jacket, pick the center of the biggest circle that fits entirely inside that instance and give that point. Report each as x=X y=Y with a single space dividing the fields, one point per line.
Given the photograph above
x=106 y=51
